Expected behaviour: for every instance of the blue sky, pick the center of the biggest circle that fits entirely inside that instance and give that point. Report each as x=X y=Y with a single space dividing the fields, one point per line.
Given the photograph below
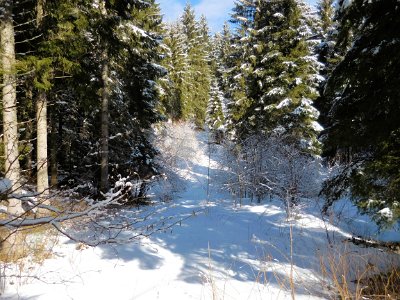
x=216 y=11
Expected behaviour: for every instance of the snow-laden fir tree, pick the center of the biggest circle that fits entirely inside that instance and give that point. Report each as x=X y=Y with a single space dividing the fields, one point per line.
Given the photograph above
x=283 y=75
x=363 y=93
x=221 y=64
x=135 y=68
x=326 y=50
x=238 y=67
x=221 y=57
x=187 y=61
x=175 y=85
x=243 y=15
x=198 y=48
x=215 y=116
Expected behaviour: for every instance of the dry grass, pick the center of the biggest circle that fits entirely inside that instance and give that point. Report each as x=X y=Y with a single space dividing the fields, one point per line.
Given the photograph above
x=385 y=285
x=21 y=250
x=34 y=242
x=361 y=273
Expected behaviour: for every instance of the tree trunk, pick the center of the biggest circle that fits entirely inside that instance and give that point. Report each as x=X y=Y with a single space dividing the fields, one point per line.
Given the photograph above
x=29 y=135
x=10 y=122
x=41 y=146
x=53 y=150
x=40 y=11
x=42 y=176
x=105 y=95
x=104 y=126
x=12 y=244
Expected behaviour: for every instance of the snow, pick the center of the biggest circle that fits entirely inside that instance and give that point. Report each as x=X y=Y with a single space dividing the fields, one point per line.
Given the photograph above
x=240 y=18
x=346 y=4
x=285 y=102
x=278 y=15
x=298 y=81
x=269 y=55
x=137 y=30
x=218 y=251
x=376 y=50
x=386 y=212
x=275 y=91
x=5 y=185
x=316 y=126
x=318 y=78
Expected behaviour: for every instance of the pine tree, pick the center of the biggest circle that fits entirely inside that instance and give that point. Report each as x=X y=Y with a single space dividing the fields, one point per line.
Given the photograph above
x=363 y=92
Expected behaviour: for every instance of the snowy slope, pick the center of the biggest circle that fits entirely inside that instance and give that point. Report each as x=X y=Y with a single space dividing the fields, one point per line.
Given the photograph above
x=221 y=251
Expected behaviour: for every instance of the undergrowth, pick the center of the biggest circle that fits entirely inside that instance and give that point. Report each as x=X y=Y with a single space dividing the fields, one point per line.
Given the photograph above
x=362 y=273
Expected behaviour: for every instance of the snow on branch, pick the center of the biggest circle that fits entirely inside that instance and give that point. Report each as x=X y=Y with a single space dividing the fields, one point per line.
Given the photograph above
x=94 y=222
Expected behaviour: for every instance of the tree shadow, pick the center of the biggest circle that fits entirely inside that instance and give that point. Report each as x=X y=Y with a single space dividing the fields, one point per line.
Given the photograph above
x=246 y=244
x=147 y=257
x=234 y=245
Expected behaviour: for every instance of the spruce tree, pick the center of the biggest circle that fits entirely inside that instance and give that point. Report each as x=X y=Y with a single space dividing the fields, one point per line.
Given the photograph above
x=282 y=75
x=328 y=54
x=222 y=63
x=363 y=93
x=215 y=116
x=238 y=66
x=138 y=70
x=50 y=63
x=175 y=85
x=188 y=63
x=198 y=47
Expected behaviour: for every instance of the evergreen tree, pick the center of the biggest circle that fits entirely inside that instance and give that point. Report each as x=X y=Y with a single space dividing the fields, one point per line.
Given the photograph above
x=198 y=47
x=243 y=15
x=363 y=92
x=282 y=75
x=221 y=49
x=222 y=64
x=326 y=50
x=188 y=64
x=138 y=70
x=54 y=52
x=175 y=85
x=215 y=116
x=238 y=66
x=326 y=13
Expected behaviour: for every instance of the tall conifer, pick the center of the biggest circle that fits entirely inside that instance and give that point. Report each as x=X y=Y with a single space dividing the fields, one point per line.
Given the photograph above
x=363 y=93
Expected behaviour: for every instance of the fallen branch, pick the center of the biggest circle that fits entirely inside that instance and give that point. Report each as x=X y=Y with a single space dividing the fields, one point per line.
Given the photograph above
x=360 y=241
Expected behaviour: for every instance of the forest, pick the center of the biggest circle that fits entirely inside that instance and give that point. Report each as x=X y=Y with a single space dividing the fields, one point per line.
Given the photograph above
x=105 y=106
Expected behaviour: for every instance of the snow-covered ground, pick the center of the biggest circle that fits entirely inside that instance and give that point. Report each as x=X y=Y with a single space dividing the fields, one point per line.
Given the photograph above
x=221 y=251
